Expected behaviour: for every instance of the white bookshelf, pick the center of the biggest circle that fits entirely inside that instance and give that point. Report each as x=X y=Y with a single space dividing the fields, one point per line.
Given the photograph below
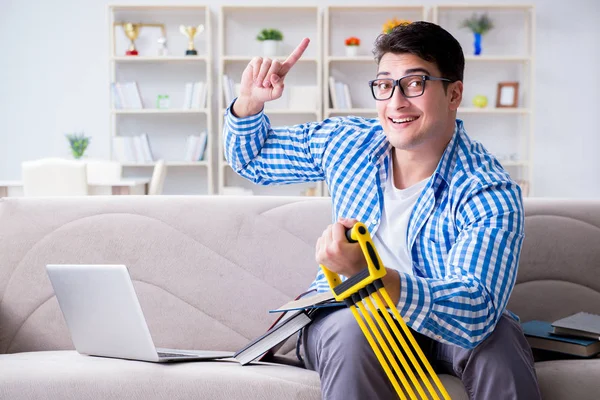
x=508 y=54
x=238 y=27
x=507 y=132
x=167 y=128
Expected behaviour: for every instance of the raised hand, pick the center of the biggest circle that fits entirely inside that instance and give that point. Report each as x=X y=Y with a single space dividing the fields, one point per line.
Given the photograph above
x=263 y=80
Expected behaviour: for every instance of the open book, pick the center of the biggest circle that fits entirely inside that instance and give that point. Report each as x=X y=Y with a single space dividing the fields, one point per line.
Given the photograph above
x=294 y=316
x=283 y=329
x=324 y=299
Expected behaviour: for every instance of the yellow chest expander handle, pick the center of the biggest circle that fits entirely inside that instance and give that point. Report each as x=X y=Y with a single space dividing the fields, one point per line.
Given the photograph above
x=358 y=291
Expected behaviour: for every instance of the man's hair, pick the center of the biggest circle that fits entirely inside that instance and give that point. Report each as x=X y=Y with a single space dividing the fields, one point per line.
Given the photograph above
x=425 y=40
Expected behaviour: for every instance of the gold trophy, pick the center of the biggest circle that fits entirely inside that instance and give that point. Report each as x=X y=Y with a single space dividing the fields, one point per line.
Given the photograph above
x=191 y=32
x=132 y=31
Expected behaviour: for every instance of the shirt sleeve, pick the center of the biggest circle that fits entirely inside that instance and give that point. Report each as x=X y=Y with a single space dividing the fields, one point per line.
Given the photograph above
x=463 y=307
x=282 y=155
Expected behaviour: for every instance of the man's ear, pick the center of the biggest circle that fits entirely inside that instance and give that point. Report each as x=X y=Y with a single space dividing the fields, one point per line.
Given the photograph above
x=455 y=90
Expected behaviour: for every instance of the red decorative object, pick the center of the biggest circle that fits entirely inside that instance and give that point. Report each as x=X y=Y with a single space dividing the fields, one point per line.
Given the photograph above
x=353 y=41
x=131 y=53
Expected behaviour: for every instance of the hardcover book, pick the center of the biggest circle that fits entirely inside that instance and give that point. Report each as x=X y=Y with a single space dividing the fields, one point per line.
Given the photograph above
x=539 y=335
x=582 y=324
x=283 y=329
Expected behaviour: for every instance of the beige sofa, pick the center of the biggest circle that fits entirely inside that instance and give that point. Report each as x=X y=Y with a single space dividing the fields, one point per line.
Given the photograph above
x=206 y=270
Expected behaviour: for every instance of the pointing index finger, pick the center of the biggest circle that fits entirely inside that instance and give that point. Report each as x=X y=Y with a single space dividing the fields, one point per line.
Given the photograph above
x=294 y=57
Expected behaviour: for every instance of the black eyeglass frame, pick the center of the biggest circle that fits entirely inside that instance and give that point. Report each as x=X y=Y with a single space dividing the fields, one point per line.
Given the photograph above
x=396 y=82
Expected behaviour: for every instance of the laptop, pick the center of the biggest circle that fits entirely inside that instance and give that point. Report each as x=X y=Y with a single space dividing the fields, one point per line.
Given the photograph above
x=105 y=318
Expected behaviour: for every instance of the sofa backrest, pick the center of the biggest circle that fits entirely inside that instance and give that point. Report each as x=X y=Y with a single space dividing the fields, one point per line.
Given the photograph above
x=206 y=269
x=559 y=270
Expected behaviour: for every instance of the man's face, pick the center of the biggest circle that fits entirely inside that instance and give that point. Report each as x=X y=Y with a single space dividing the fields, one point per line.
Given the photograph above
x=413 y=123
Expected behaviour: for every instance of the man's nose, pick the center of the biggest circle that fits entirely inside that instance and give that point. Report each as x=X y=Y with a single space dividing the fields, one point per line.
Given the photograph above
x=398 y=100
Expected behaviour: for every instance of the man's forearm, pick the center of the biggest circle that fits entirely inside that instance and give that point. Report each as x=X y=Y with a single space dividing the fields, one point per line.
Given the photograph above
x=391 y=281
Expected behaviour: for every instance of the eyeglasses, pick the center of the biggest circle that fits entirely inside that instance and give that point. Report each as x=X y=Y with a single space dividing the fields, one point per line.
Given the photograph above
x=410 y=86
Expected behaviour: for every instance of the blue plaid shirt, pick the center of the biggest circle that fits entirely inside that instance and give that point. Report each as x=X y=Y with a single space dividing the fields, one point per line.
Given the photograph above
x=465 y=232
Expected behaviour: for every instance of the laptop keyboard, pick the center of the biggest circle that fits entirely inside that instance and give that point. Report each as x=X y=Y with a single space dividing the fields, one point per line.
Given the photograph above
x=162 y=354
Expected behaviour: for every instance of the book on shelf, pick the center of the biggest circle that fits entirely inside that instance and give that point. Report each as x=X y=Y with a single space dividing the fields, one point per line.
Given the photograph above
x=195 y=147
x=332 y=94
x=276 y=335
x=340 y=94
x=540 y=336
x=195 y=96
x=126 y=95
x=582 y=324
x=228 y=90
x=132 y=149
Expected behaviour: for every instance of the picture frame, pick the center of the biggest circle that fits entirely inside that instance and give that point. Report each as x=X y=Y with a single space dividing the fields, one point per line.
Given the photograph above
x=507 y=95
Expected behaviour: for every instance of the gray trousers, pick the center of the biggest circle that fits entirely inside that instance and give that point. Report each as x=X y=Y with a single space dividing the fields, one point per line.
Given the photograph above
x=501 y=367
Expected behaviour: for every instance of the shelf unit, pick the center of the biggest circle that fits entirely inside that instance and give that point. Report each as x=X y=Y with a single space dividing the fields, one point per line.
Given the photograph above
x=167 y=129
x=510 y=136
x=507 y=132
x=364 y=22
x=236 y=50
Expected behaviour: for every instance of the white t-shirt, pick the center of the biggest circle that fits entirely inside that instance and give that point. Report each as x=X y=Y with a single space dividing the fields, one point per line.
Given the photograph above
x=391 y=237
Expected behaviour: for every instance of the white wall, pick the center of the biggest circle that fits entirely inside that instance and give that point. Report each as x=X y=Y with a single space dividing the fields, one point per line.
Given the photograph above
x=54 y=79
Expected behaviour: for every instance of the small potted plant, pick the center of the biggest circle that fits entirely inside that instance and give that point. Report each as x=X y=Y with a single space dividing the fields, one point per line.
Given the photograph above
x=270 y=39
x=352 y=44
x=479 y=25
x=392 y=23
x=78 y=142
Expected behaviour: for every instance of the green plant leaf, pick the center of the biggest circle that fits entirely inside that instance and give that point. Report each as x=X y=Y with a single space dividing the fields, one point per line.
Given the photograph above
x=269 y=34
x=478 y=24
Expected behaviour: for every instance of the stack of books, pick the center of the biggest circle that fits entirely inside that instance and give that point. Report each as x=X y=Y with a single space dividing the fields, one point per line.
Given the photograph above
x=132 y=149
x=195 y=146
x=576 y=335
x=126 y=95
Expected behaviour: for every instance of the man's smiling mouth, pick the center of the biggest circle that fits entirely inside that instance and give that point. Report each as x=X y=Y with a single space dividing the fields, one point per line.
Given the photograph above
x=403 y=120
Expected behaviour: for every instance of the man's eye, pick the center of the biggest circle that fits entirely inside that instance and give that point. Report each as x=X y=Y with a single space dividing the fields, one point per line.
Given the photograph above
x=415 y=83
x=384 y=85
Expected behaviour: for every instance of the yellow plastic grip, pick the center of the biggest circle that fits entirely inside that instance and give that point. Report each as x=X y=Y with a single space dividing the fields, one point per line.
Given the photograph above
x=375 y=268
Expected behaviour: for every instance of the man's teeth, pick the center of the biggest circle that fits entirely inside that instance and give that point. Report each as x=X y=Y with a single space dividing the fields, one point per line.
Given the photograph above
x=401 y=120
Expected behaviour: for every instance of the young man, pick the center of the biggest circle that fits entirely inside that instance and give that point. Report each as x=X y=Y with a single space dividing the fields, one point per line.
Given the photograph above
x=445 y=217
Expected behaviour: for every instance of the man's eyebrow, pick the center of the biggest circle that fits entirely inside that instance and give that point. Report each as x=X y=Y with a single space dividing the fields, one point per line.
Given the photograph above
x=408 y=71
x=419 y=69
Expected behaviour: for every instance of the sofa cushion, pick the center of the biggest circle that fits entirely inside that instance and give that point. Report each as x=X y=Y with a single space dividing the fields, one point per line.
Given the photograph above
x=569 y=379
x=69 y=375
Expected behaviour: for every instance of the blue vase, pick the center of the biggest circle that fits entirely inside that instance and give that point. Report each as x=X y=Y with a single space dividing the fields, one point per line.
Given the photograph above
x=477 y=43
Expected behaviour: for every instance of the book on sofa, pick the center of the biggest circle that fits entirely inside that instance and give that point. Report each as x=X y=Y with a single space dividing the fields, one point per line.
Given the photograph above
x=539 y=335
x=294 y=316
x=280 y=331
x=582 y=324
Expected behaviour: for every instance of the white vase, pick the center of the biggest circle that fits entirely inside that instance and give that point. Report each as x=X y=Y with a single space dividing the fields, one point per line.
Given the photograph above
x=351 y=51
x=270 y=48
